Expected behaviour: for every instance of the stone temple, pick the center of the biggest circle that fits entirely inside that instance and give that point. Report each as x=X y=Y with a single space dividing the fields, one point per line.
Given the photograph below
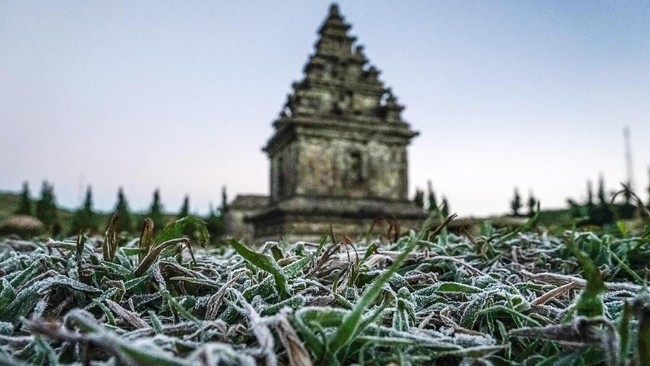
x=338 y=153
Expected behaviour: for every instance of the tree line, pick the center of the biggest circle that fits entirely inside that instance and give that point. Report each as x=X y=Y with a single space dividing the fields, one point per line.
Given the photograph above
x=597 y=210
x=86 y=219
x=604 y=210
x=431 y=203
x=516 y=205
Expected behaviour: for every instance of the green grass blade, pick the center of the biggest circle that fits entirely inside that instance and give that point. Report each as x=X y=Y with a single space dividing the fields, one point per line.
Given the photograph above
x=266 y=263
x=590 y=301
x=153 y=254
x=175 y=229
x=351 y=324
x=642 y=309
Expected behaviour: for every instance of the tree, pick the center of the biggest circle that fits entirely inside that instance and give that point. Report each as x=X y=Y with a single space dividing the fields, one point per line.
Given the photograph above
x=601 y=214
x=433 y=203
x=648 y=189
x=25 y=206
x=627 y=210
x=84 y=218
x=185 y=209
x=445 y=207
x=531 y=203
x=419 y=198
x=515 y=204
x=214 y=223
x=224 y=200
x=188 y=230
x=46 y=210
x=155 y=212
x=590 y=194
x=601 y=191
x=124 y=219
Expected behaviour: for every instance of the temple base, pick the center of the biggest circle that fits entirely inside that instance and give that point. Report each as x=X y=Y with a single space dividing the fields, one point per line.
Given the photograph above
x=312 y=218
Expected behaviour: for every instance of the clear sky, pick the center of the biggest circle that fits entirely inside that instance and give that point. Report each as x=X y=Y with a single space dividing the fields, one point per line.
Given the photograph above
x=181 y=95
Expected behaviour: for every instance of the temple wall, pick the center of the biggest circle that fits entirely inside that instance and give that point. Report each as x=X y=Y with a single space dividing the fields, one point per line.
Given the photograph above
x=284 y=179
x=235 y=226
x=356 y=169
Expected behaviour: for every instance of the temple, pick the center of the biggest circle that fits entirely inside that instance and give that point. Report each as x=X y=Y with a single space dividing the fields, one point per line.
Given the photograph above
x=339 y=150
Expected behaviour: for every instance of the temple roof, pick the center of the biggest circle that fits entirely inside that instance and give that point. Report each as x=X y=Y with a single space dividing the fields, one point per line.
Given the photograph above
x=339 y=82
x=249 y=201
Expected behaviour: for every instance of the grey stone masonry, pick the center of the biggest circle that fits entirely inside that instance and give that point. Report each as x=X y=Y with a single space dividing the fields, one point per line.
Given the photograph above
x=339 y=151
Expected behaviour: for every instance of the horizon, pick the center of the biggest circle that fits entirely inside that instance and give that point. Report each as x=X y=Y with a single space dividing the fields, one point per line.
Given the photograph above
x=181 y=97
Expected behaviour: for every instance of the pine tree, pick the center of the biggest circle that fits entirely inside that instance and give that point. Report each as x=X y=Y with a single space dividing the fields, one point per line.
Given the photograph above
x=155 y=212
x=445 y=207
x=26 y=206
x=419 y=198
x=601 y=214
x=627 y=210
x=590 y=194
x=188 y=230
x=84 y=218
x=215 y=225
x=515 y=204
x=124 y=219
x=531 y=203
x=46 y=210
x=649 y=189
x=601 y=191
x=433 y=203
x=224 y=200
x=185 y=209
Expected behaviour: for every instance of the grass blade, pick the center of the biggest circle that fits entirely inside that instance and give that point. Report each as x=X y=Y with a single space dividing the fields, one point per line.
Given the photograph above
x=266 y=263
x=351 y=324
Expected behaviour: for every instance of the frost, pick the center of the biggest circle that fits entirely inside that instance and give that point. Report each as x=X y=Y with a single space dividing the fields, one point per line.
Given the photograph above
x=6 y=328
x=453 y=299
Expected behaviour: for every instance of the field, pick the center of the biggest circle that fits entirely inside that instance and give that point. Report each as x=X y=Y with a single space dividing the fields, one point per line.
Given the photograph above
x=501 y=297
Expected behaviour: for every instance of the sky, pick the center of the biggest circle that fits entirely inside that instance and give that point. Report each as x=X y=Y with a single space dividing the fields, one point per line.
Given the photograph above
x=180 y=96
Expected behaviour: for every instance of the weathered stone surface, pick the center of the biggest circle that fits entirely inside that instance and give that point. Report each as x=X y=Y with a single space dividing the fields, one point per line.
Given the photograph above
x=328 y=166
x=338 y=154
x=308 y=218
x=241 y=206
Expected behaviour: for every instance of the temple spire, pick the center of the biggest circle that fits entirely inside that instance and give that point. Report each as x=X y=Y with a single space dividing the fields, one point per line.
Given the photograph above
x=339 y=82
x=334 y=39
x=334 y=10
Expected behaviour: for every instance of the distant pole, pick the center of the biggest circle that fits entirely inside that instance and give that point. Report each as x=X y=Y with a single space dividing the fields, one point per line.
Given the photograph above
x=628 y=158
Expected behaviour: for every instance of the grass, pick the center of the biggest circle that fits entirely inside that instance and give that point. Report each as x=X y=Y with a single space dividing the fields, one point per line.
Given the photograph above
x=433 y=297
x=8 y=204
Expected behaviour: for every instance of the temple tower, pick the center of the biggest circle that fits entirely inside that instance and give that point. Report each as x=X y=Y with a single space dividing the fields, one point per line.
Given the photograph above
x=338 y=154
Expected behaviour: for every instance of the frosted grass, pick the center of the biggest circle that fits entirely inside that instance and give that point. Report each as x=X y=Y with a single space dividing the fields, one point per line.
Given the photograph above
x=497 y=298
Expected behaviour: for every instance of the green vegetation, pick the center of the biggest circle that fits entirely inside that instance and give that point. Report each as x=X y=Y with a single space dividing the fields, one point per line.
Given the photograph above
x=85 y=219
x=124 y=219
x=155 y=212
x=499 y=297
x=433 y=203
x=418 y=200
x=46 y=209
x=515 y=204
x=214 y=222
x=26 y=206
x=185 y=209
x=445 y=210
x=531 y=203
